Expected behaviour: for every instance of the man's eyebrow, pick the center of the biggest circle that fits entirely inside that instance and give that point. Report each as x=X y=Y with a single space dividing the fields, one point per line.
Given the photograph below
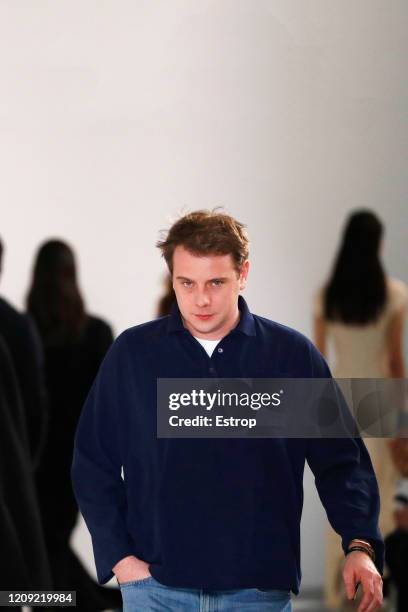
x=221 y=278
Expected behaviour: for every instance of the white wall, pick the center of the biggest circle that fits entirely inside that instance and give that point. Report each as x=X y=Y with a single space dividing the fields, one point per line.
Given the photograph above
x=115 y=116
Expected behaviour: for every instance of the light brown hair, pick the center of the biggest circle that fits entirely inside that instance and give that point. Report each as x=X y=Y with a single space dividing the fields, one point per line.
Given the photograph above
x=205 y=232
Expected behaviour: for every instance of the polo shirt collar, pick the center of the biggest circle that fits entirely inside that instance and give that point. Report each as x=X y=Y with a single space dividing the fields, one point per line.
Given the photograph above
x=246 y=323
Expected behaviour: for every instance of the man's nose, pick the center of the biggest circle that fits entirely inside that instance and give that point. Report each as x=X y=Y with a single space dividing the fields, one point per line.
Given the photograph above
x=202 y=298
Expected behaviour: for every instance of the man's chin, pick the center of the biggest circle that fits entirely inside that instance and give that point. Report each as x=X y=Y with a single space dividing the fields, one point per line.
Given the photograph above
x=203 y=327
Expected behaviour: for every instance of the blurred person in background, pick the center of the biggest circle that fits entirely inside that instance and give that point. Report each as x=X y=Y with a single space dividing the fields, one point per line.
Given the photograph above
x=166 y=301
x=24 y=345
x=396 y=551
x=23 y=561
x=361 y=310
x=396 y=554
x=74 y=344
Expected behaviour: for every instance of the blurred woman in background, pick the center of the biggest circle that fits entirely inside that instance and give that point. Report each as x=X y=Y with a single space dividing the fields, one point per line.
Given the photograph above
x=167 y=298
x=361 y=311
x=74 y=345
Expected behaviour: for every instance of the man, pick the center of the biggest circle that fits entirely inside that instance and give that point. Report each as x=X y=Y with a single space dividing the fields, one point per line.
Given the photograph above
x=212 y=523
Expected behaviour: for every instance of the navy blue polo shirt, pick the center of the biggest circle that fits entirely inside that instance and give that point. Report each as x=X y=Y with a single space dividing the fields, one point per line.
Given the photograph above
x=210 y=513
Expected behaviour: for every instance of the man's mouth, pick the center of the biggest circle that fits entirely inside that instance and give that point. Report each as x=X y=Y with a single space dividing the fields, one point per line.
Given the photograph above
x=203 y=317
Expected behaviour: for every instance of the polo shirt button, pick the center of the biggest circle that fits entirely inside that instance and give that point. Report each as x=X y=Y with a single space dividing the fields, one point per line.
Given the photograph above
x=212 y=370
x=220 y=350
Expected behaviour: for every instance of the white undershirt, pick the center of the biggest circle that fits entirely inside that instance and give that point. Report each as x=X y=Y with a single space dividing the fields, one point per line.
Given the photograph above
x=208 y=345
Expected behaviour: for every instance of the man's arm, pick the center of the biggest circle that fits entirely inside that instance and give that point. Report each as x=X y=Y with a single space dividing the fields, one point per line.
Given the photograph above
x=344 y=475
x=348 y=490
x=347 y=487
x=97 y=467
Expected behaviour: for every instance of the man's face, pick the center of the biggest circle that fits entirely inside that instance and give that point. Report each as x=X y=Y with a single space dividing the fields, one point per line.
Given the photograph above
x=207 y=290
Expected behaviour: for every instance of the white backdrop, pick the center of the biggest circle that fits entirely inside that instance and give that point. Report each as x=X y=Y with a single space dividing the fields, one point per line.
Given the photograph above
x=117 y=115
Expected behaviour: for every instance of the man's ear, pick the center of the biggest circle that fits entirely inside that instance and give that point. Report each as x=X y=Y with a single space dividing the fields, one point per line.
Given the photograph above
x=244 y=274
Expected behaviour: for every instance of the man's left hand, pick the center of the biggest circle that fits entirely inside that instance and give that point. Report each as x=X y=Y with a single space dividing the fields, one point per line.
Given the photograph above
x=358 y=567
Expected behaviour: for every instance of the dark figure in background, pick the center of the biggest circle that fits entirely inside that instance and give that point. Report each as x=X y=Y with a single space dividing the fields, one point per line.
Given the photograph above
x=396 y=546
x=74 y=345
x=167 y=299
x=24 y=345
x=23 y=559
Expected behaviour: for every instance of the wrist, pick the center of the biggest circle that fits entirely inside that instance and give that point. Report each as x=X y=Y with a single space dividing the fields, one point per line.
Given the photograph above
x=361 y=546
x=124 y=563
x=130 y=568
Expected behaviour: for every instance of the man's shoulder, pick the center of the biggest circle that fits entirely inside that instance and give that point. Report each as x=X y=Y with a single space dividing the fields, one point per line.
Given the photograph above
x=279 y=331
x=292 y=350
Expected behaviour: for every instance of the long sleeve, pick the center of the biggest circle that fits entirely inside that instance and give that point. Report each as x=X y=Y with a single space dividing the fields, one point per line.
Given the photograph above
x=97 y=467
x=345 y=480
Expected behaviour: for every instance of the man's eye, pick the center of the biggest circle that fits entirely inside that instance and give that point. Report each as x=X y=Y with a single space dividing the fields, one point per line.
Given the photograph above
x=217 y=283
x=187 y=283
